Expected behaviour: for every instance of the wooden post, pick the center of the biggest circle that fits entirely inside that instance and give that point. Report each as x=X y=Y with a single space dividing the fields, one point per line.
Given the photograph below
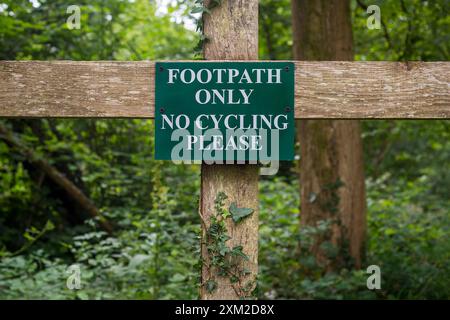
x=232 y=33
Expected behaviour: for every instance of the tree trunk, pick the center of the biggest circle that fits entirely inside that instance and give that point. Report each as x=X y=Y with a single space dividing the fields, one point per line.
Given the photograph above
x=331 y=166
x=232 y=33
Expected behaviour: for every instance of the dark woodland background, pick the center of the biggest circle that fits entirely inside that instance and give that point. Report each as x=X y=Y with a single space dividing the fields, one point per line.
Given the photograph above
x=151 y=206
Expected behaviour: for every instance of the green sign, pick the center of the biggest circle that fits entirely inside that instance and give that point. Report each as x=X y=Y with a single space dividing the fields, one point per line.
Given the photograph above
x=232 y=111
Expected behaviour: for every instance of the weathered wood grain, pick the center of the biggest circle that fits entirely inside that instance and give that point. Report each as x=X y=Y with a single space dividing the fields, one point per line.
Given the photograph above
x=323 y=89
x=373 y=90
x=76 y=89
x=232 y=29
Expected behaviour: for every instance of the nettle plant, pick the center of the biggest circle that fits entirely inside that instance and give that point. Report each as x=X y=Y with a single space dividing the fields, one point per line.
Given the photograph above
x=224 y=260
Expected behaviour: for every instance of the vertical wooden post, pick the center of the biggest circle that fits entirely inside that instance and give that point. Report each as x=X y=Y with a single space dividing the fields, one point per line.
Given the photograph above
x=232 y=32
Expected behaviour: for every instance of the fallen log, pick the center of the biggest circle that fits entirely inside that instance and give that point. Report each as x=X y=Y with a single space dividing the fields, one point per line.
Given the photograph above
x=56 y=176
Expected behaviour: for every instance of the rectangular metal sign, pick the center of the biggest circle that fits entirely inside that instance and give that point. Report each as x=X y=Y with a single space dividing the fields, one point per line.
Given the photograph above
x=232 y=111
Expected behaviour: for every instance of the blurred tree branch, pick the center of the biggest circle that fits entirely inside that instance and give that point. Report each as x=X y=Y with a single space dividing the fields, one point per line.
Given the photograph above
x=56 y=176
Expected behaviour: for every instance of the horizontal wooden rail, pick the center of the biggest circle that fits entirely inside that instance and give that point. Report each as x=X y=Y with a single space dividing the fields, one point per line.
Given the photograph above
x=323 y=89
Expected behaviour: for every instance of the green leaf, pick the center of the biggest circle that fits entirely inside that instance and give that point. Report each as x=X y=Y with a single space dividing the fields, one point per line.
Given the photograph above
x=198 y=10
x=211 y=285
x=82 y=295
x=223 y=249
x=238 y=214
x=49 y=226
x=226 y=214
x=237 y=251
x=137 y=260
x=177 y=277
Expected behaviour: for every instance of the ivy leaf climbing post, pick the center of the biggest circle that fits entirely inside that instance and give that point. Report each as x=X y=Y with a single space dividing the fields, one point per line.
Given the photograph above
x=231 y=33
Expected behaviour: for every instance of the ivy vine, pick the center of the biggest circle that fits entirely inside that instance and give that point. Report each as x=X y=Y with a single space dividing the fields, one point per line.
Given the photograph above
x=227 y=261
x=199 y=7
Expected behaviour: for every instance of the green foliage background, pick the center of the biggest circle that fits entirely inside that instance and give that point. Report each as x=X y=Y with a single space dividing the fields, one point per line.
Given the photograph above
x=154 y=251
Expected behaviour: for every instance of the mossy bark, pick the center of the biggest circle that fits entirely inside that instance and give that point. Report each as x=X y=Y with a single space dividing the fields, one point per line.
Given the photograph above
x=331 y=166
